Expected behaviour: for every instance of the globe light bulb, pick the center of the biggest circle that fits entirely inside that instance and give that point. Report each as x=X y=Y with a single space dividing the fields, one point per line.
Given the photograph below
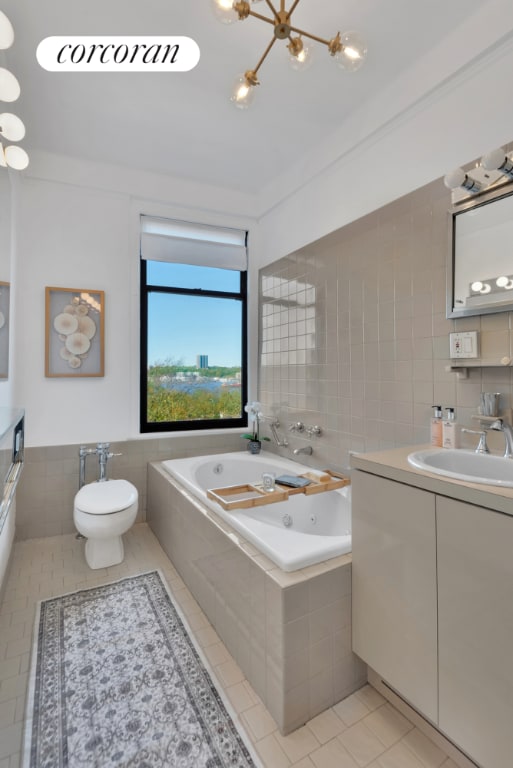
x=353 y=52
x=243 y=93
x=11 y=127
x=223 y=11
x=494 y=159
x=303 y=59
x=477 y=286
x=9 y=86
x=501 y=282
x=497 y=160
x=458 y=178
x=454 y=179
x=6 y=32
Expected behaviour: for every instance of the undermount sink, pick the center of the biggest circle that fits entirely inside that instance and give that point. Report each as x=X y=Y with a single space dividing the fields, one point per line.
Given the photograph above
x=465 y=465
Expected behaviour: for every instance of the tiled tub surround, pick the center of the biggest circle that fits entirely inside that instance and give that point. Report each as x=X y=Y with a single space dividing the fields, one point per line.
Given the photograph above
x=354 y=338
x=290 y=633
x=49 y=480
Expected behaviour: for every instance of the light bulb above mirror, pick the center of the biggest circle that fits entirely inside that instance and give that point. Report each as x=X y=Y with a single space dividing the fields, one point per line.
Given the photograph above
x=497 y=160
x=458 y=178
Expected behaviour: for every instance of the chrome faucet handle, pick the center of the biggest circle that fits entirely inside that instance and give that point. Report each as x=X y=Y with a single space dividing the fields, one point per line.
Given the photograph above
x=297 y=426
x=502 y=426
x=482 y=446
x=314 y=431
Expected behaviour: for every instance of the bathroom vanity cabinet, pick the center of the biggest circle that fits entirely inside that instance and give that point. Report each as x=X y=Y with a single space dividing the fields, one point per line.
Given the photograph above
x=432 y=599
x=394 y=586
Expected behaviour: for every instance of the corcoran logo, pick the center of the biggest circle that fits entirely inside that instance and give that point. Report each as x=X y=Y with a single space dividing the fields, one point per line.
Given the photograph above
x=118 y=54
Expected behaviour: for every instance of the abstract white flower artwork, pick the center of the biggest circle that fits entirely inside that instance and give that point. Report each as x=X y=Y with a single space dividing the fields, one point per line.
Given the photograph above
x=74 y=332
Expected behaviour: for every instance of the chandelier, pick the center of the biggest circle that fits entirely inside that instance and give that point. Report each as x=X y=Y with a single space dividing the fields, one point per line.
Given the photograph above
x=348 y=49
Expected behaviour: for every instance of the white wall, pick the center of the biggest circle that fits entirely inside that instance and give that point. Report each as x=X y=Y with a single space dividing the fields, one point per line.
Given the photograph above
x=452 y=108
x=77 y=229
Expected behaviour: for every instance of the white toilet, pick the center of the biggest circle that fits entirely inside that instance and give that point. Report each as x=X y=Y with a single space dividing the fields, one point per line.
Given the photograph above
x=103 y=512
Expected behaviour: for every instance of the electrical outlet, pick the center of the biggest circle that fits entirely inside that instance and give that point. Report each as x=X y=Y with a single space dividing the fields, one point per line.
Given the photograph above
x=463 y=344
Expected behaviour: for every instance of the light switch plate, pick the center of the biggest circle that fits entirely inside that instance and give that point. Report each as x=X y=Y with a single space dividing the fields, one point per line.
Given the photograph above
x=463 y=344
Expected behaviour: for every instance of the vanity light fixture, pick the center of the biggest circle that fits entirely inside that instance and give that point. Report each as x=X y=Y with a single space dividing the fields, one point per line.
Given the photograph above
x=348 y=50
x=495 y=168
x=11 y=127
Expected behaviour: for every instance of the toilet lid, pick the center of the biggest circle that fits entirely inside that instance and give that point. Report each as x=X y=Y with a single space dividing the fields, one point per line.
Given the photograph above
x=107 y=497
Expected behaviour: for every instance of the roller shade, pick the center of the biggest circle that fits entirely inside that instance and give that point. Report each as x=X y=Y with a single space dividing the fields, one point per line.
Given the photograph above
x=184 y=242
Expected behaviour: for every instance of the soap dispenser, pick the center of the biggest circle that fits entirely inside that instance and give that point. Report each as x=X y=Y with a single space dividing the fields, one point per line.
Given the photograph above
x=436 y=426
x=450 y=430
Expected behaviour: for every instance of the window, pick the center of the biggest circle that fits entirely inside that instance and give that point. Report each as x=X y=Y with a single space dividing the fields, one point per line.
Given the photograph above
x=193 y=326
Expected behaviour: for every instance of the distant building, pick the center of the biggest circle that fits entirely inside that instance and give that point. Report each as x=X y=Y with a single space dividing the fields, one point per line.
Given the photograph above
x=201 y=361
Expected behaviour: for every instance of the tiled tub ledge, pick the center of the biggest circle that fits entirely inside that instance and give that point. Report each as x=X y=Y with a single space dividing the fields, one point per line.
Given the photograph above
x=290 y=633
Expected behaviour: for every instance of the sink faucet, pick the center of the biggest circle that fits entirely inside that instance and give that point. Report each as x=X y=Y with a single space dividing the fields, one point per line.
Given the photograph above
x=500 y=426
x=306 y=449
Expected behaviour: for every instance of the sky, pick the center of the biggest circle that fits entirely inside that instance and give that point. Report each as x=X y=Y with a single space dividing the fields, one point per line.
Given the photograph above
x=182 y=327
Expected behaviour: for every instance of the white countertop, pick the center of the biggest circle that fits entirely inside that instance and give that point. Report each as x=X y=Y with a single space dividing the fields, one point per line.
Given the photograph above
x=393 y=464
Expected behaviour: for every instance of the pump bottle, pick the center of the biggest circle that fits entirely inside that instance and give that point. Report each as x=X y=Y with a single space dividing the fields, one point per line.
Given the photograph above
x=450 y=430
x=436 y=426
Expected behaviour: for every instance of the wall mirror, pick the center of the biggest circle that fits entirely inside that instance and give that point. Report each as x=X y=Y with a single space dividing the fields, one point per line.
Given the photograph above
x=480 y=263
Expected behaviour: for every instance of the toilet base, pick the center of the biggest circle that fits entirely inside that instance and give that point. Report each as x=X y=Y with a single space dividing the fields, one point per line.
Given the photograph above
x=102 y=553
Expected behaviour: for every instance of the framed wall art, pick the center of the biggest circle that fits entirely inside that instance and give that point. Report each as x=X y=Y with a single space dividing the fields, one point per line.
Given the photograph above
x=74 y=344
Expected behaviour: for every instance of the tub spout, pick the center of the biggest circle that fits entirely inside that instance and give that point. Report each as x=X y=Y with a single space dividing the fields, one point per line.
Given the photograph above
x=307 y=449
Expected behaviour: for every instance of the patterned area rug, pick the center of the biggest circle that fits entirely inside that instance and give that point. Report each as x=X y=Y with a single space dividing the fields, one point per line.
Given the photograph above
x=116 y=680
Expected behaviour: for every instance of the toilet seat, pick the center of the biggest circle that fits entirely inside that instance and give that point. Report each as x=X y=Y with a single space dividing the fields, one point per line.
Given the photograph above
x=106 y=498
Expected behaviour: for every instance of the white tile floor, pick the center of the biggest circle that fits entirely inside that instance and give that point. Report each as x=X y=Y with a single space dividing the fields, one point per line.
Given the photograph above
x=363 y=730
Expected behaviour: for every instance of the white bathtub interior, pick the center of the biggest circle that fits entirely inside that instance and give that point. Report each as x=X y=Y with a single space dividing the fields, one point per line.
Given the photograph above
x=302 y=531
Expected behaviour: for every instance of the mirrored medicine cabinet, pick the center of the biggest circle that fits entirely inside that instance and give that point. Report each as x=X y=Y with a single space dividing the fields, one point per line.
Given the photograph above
x=480 y=262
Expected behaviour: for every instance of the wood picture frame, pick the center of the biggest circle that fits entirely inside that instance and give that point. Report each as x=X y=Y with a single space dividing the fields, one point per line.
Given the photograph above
x=74 y=339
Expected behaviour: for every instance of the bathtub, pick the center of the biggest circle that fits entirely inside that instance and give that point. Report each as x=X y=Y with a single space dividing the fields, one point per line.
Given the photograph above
x=302 y=531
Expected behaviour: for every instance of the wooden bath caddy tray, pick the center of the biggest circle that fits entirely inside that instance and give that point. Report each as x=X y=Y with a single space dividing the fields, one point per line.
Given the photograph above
x=249 y=495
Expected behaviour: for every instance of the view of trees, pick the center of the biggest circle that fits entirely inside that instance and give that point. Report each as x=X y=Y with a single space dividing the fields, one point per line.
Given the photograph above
x=168 y=401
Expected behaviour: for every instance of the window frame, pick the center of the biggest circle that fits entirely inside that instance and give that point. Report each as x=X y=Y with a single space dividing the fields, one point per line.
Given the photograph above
x=197 y=424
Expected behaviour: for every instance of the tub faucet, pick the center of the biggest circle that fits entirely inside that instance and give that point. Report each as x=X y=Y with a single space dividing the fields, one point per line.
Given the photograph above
x=500 y=426
x=306 y=449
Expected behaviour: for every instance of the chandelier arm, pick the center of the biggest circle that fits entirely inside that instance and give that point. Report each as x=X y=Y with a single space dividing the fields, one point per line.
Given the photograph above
x=273 y=10
x=262 y=58
x=262 y=18
x=292 y=8
x=312 y=37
